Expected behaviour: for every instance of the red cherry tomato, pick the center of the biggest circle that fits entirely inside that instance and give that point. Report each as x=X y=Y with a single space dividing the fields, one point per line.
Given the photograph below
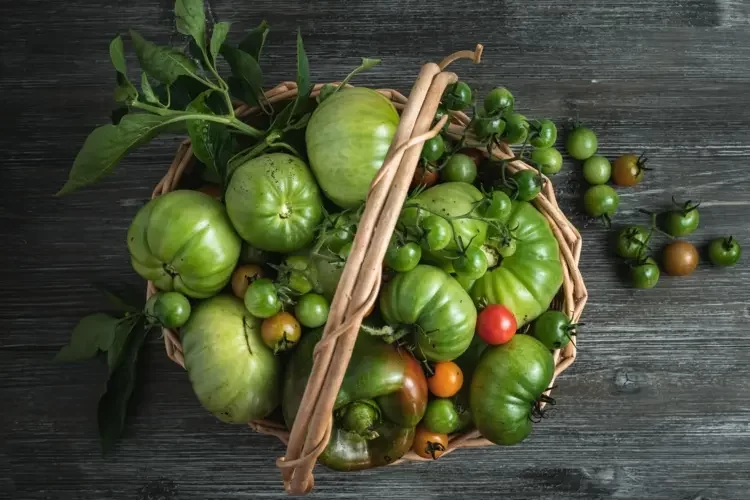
x=496 y=324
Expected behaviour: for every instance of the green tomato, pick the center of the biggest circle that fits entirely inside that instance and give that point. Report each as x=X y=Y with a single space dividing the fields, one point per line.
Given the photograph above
x=184 y=241
x=312 y=310
x=345 y=251
x=528 y=184
x=261 y=298
x=632 y=242
x=645 y=274
x=516 y=128
x=724 y=252
x=459 y=168
x=172 y=309
x=403 y=258
x=437 y=309
x=488 y=126
x=601 y=200
x=549 y=160
x=508 y=381
x=233 y=373
x=274 y=203
x=472 y=264
x=439 y=114
x=507 y=247
x=683 y=221
x=347 y=138
x=438 y=232
x=544 y=134
x=441 y=416
x=433 y=148
x=581 y=143
x=553 y=329
x=499 y=206
x=499 y=101
x=299 y=282
x=597 y=170
x=457 y=96
x=527 y=280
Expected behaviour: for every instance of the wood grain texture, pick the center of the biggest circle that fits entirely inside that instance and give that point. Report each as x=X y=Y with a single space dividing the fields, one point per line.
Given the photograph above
x=656 y=406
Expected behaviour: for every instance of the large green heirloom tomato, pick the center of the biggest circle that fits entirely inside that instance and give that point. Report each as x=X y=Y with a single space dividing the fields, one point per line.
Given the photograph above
x=234 y=375
x=527 y=279
x=184 y=241
x=459 y=202
x=381 y=400
x=347 y=139
x=434 y=307
x=507 y=383
x=274 y=203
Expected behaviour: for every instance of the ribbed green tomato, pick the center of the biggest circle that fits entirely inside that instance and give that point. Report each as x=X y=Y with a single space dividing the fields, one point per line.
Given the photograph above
x=347 y=139
x=233 y=374
x=184 y=241
x=434 y=307
x=526 y=281
x=507 y=383
x=274 y=203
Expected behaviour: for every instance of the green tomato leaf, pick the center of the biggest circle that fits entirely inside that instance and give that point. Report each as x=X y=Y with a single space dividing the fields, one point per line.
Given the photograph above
x=119 y=303
x=147 y=90
x=113 y=404
x=246 y=68
x=163 y=63
x=191 y=20
x=241 y=90
x=121 y=335
x=180 y=93
x=304 y=89
x=92 y=334
x=328 y=90
x=254 y=40
x=218 y=37
x=212 y=142
x=117 y=55
x=118 y=113
x=108 y=144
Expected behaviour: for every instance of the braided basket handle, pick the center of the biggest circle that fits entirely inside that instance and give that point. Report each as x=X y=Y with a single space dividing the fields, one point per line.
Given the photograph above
x=360 y=282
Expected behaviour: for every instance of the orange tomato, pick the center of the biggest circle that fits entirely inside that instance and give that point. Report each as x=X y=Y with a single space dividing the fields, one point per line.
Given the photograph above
x=429 y=444
x=281 y=331
x=424 y=177
x=243 y=276
x=446 y=380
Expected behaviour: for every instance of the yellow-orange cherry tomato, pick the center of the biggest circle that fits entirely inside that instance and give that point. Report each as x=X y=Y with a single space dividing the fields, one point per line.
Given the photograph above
x=243 y=276
x=429 y=444
x=446 y=380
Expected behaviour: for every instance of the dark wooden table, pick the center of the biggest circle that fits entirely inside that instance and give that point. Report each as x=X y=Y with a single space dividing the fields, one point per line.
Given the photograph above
x=658 y=403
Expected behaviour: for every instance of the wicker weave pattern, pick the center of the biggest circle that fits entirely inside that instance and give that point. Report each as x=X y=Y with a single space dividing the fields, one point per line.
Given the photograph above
x=388 y=191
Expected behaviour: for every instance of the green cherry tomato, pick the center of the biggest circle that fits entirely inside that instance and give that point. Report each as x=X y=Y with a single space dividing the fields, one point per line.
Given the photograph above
x=632 y=242
x=499 y=206
x=439 y=114
x=172 y=309
x=403 y=258
x=312 y=310
x=553 y=329
x=549 y=160
x=646 y=274
x=345 y=251
x=261 y=299
x=459 y=168
x=438 y=232
x=581 y=143
x=472 y=263
x=516 y=128
x=682 y=221
x=299 y=282
x=488 y=126
x=544 y=134
x=597 y=170
x=457 y=96
x=433 y=149
x=499 y=101
x=724 y=252
x=507 y=247
x=441 y=416
x=601 y=200
x=528 y=184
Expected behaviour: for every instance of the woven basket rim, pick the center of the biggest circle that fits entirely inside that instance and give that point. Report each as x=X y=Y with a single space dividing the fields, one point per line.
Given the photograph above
x=571 y=298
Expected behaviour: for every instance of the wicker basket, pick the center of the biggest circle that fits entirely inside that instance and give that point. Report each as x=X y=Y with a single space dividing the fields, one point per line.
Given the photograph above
x=310 y=434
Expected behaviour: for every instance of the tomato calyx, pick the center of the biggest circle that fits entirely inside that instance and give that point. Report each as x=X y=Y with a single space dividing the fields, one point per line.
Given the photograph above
x=541 y=408
x=727 y=243
x=360 y=418
x=685 y=208
x=434 y=449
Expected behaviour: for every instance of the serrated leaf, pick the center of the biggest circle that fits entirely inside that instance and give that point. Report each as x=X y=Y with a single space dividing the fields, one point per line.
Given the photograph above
x=245 y=67
x=148 y=92
x=119 y=340
x=191 y=20
x=218 y=37
x=113 y=404
x=92 y=334
x=108 y=144
x=254 y=40
x=212 y=142
x=117 y=55
x=163 y=63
